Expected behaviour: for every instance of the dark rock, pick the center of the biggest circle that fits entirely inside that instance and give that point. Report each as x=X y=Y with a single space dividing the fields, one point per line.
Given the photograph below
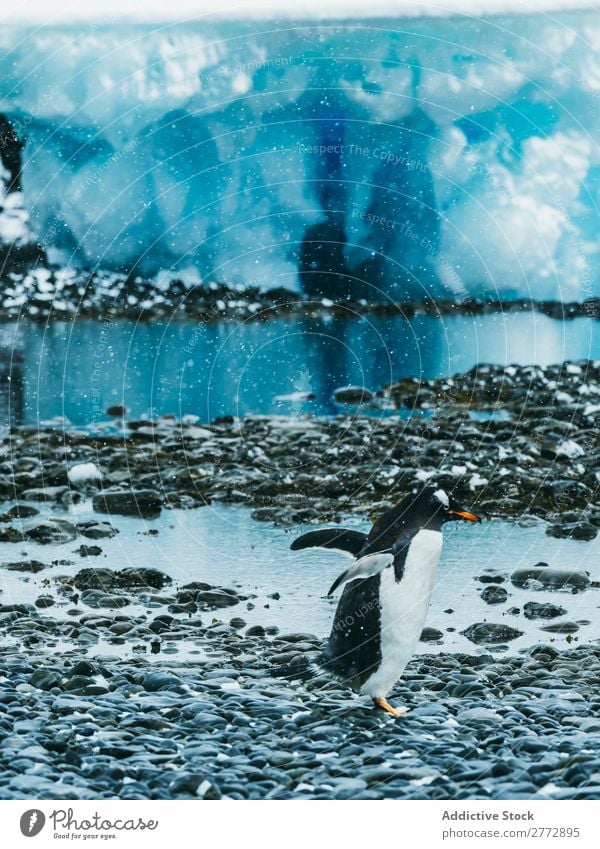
x=494 y=595
x=98 y=598
x=297 y=638
x=431 y=635
x=21 y=609
x=47 y=493
x=569 y=494
x=141 y=502
x=352 y=395
x=560 y=628
x=52 y=531
x=84 y=667
x=108 y=579
x=43 y=601
x=89 y=550
x=45 y=679
x=9 y=533
x=155 y=681
x=77 y=683
x=32 y=566
x=542 y=610
x=215 y=599
x=183 y=607
x=117 y=411
x=490 y=633
x=97 y=530
x=19 y=511
x=573 y=530
x=543 y=576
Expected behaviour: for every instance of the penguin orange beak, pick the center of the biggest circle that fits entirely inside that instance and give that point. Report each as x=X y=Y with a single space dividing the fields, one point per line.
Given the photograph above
x=464 y=514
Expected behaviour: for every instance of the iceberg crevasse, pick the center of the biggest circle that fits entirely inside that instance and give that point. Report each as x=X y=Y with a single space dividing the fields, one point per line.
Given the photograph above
x=424 y=156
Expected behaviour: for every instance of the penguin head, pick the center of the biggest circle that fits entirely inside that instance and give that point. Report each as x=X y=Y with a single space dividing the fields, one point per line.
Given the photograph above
x=429 y=507
x=437 y=507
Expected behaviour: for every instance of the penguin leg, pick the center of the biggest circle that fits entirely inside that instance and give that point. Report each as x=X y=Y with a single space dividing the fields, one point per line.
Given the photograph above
x=383 y=703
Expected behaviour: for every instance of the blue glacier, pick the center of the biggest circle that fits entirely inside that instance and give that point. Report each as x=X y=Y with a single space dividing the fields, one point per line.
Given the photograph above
x=407 y=157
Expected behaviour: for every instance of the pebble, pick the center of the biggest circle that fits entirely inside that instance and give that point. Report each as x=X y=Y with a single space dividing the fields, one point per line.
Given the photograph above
x=135 y=502
x=490 y=633
x=494 y=595
x=544 y=577
x=542 y=610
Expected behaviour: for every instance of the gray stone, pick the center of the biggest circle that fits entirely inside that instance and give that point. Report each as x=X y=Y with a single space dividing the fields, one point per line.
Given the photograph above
x=140 y=502
x=490 y=633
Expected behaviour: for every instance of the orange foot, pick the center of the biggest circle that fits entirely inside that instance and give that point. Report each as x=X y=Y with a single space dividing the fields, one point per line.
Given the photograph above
x=382 y=702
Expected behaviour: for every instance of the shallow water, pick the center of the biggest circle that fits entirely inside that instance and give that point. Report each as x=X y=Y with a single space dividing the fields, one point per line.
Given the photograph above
x=224 y=546
x=77 y=370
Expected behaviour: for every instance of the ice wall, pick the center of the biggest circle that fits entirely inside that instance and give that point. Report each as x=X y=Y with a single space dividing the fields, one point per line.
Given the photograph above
x=397 y=157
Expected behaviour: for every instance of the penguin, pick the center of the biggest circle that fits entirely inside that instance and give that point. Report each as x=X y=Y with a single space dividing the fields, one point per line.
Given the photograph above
x=386 y=591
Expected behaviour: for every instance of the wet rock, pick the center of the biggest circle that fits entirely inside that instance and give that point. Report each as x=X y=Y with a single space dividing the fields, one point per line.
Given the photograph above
x=542 y=610
x=431 y=635
x=541 y=576
x=491 y=633
x=19 y=511
x=21 y=609
x=569 y=494
x=32 y=566
x=97 y=530
x=84 y=667
x=214 y=599
x=156 y=681
x=47 y=493
x=124 y=578
x=297 y=637
x=117 y=411
x=255 y=631
x=98 y=599
x=45 y=679
x=573 y=530
x=141 y=502
x=185 y=607
x=52 y=531
x=352 y=395
x=560 y=628
x=494 y=595
x=491 y=579
x=9 y=533
x=44 y=601
x=89 y=550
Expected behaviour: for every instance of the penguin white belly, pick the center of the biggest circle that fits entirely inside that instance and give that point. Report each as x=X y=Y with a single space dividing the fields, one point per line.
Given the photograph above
x=404 y=606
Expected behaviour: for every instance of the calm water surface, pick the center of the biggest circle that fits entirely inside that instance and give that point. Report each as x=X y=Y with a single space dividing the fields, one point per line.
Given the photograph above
x=77 y=370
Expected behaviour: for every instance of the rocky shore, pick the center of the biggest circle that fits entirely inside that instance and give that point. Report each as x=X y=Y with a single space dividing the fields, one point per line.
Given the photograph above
x=40 y=292
x=512 y=441
x=478 y=728
x=80 y=720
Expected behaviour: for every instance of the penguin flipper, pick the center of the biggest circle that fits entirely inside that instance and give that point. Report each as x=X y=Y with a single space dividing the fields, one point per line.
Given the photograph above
x=366 y=567
x=339 y=539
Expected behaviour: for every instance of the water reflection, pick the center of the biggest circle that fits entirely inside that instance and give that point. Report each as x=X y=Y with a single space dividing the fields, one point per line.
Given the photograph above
x=77 y=370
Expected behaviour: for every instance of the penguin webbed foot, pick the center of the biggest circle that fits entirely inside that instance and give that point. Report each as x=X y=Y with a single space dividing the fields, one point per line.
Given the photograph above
x=382 y=702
